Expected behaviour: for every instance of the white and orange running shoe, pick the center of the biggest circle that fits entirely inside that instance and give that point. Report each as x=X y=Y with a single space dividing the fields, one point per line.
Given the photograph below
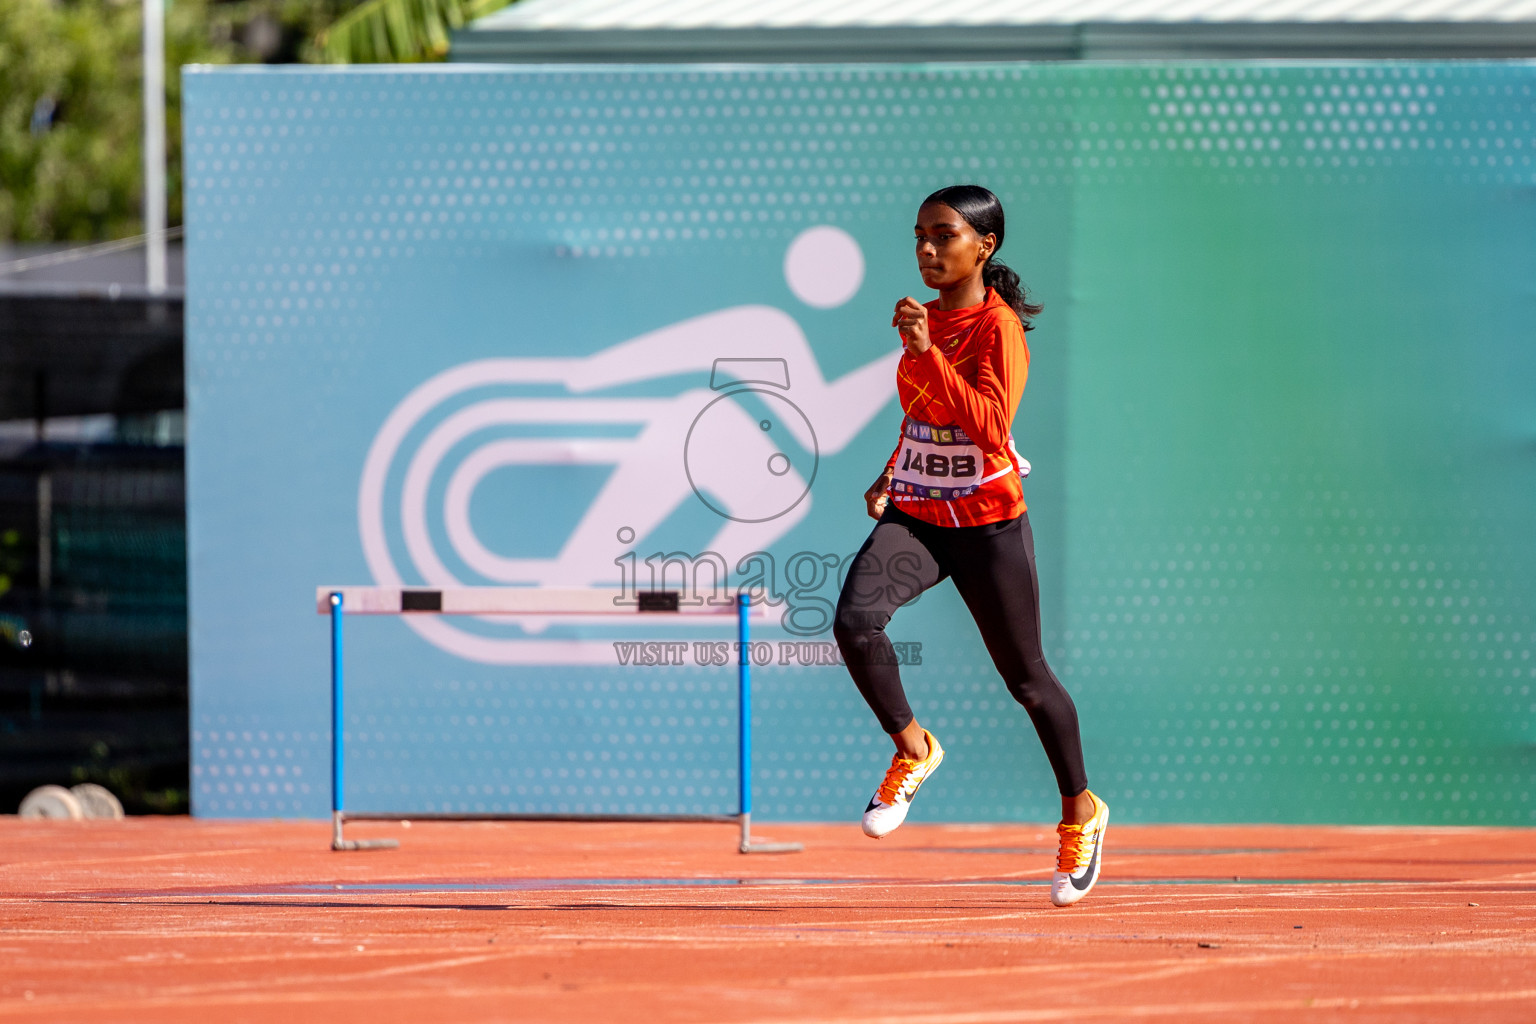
x=888 y=807
x=1080 y=856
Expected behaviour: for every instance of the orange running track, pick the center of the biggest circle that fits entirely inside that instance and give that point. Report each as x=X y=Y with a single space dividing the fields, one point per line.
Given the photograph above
x=182 y=920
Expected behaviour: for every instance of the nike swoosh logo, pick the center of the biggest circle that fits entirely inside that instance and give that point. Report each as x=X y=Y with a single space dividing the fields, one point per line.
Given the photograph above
x=872 y=803
x=1093 y=864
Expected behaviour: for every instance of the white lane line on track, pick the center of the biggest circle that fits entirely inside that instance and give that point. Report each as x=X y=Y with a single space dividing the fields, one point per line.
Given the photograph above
x=1227 y=1009
x=65 y=865
x=439 y=997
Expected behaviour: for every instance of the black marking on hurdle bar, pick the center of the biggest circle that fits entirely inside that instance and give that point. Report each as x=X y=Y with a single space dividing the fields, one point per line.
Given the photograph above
x=658 y=600
x=421 y=600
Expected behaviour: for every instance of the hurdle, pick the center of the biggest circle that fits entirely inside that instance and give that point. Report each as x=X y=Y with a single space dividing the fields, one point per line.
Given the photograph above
x=338 y=602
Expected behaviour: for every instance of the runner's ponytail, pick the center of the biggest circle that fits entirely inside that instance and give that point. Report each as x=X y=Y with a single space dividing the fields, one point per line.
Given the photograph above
x=1000 y=277
x=984 y=211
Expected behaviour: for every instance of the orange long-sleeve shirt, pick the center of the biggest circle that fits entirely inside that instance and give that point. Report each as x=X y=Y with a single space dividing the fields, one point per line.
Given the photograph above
x=971 y=378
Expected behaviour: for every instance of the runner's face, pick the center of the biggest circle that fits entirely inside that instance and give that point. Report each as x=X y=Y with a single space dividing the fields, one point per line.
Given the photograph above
x=949 y=251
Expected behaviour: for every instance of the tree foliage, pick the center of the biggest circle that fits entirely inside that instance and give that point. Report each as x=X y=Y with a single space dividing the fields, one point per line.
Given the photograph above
x=71 y=114
x=399 y=31
x=71 y=89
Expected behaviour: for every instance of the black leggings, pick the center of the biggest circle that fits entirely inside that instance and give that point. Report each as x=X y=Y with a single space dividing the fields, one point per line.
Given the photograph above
x=993 y=567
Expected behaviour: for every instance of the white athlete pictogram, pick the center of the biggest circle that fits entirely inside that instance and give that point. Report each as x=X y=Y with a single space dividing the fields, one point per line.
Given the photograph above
x=747 y=447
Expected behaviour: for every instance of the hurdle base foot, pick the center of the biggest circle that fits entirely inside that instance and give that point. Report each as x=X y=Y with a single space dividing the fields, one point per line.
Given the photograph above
x=754 y=846
x=347 y=845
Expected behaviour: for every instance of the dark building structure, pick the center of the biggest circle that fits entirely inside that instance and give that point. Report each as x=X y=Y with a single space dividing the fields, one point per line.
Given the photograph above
x=93 y=620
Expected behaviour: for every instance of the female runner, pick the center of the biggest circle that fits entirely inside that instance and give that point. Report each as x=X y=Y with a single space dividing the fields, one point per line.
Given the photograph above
x=950 y=504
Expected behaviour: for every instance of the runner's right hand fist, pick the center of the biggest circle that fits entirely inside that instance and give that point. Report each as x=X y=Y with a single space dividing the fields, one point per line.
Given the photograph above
x=911 y=320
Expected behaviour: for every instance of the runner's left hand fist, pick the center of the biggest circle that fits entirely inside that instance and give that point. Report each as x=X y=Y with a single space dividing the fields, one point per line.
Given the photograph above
x=878 y=496
x=911 y=319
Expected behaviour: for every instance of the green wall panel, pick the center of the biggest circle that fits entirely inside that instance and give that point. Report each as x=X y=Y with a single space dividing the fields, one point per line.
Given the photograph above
x=1300 y=544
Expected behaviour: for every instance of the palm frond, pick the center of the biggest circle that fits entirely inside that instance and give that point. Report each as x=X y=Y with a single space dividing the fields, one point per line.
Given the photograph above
x=399 y=31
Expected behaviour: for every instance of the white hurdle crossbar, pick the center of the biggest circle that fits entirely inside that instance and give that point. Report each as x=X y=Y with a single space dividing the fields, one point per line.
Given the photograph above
x=340 y=601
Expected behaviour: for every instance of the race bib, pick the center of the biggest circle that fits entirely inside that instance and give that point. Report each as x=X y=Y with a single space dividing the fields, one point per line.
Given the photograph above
x=938 y=463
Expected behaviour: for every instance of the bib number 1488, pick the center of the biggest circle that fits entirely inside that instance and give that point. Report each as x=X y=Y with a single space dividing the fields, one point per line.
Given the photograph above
x=935 y=465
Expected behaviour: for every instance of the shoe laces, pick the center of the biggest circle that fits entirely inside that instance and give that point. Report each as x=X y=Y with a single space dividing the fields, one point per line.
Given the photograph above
x=1073 y=853
x=897 y=776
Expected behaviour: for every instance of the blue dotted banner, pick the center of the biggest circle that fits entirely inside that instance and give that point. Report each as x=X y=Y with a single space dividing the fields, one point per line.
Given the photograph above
x=454 y=324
